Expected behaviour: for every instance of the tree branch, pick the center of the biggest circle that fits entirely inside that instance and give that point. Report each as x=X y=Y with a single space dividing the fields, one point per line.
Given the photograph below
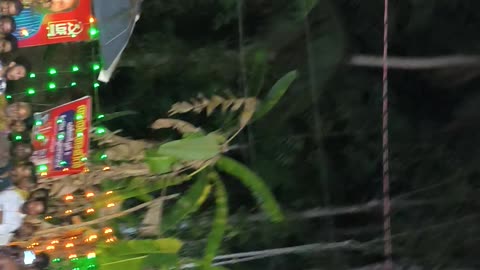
x=416 y=63
x=320 y=212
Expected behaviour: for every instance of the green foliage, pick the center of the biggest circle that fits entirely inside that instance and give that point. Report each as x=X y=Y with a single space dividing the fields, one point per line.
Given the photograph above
x=254 y=183
x=132 y=254
x=187 y=204
x=277 y=91
x=215 y=236
x=192 y=149
x=159 y=164
x=161 y=262
x=305 y=6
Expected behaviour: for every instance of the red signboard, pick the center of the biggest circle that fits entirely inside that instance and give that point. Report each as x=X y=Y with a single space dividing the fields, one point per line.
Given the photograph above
x=38 y=25
x=60 y=138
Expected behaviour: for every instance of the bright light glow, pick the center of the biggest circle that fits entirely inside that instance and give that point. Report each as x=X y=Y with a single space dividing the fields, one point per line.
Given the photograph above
x=92 y=237
x=42 y=168
x=75 y=68
x=73 y=84
x=72 y=256
x=32 y=75
x=110 y=205
x=69 y=197
x=107 y=231
x=54 y=242
x=91 y=20
x=109 y=192
x=30 y=91
x=69 y=245
x=52 y=85
x=52 y=71
x=90 y=210
x=68 y=212
x=50 y=247
x=90 y=195
x=24 y=33
x=91 y=255
x=106 y=168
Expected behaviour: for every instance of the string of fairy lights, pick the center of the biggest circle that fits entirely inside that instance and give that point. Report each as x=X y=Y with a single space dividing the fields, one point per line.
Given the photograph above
x=52 y=85
x=78 y=246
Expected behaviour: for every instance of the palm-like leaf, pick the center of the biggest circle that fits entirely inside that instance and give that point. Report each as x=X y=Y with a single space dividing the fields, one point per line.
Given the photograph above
x=254 y=183
x=187 y=204
x=219 y=223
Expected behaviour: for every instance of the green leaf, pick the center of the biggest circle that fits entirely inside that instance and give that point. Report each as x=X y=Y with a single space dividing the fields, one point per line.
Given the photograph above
x=254 y=183
x=187 y=204
x=191 y=149
x=161 y=262
x=215 y=236
x=160 y=164
x=132 y=254
x=275 y=94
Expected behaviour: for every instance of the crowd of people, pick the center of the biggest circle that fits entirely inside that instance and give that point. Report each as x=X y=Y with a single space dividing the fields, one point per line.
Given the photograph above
x=19 y=196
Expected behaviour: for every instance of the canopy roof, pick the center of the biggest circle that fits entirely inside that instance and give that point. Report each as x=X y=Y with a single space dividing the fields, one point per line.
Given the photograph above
x=116 y=21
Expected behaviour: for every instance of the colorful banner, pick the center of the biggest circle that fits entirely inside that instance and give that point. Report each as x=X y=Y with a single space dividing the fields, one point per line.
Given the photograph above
x=43 y=22
x=60 y=138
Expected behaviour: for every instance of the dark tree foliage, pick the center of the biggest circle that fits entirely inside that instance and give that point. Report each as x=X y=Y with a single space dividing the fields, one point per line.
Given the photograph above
x=182 y=48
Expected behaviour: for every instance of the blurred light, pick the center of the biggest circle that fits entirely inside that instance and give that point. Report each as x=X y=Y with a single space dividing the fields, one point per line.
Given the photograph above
x=90 y=194
x=91 y=20
x=75 y=68
x=100 y=130
x=72 y=256
x=31 y=91
x=24 y=33
x=73 y=84
x=107 y=231
x=8 y=97
x=90 y=210
x=91 y=255
x=42 y=168
x=69 y=197
x=93 y=31
x=96 y=67
x=54 y=242
x=50 y=247
x=110 y=205
x=69 y=245
x=38 y=123
x=52 y=85
x=109 y=192
x=52 y=71
x=32 y=75
x=68 y=212
x=106 y=168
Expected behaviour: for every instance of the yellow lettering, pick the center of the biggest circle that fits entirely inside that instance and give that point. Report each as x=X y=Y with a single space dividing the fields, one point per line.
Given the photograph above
x=80 y=126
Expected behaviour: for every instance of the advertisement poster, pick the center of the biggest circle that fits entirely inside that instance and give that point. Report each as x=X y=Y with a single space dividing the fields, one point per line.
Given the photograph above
x=60 y=138
x=45 y=22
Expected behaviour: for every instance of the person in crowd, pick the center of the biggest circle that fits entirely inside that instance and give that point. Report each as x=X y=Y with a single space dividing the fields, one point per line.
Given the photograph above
x=27 y=181
x=7 y=25
x=18 y=111
x=14 y=209
x=10 y=7
x=9 y=43
x=12 y=72
x=18 y=126
x=21 y=151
